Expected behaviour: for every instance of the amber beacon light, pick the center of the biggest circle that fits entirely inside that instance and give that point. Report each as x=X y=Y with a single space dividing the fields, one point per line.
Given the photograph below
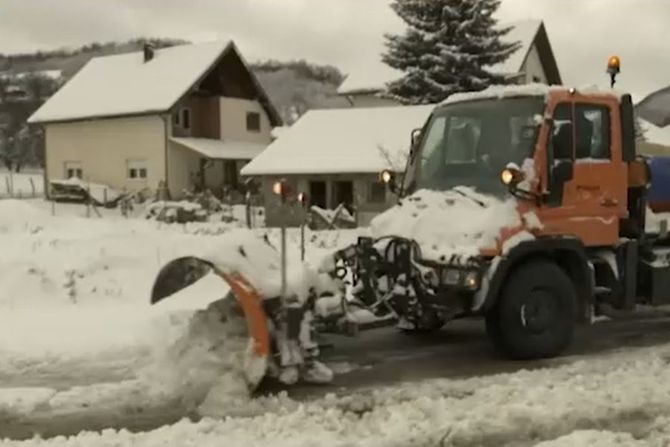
x=613 y=68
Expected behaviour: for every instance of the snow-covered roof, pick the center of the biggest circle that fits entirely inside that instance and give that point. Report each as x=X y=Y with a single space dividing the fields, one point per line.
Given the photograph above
x=222 y=150
x=524 y=32
x=531 y=89
x=351 y=140
x=373 y=78
x=124 y=84
x=655 y=134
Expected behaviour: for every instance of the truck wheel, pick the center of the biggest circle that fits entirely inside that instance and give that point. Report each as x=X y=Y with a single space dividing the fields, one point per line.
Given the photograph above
x=535 y=315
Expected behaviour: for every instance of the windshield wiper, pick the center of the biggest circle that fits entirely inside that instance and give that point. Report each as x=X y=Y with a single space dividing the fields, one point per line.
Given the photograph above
x=477 y=201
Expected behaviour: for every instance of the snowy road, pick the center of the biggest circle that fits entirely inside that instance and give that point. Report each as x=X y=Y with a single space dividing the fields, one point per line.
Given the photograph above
x=375 y=358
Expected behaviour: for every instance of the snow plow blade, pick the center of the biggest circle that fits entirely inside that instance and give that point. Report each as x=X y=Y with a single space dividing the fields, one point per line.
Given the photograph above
x=186 y=271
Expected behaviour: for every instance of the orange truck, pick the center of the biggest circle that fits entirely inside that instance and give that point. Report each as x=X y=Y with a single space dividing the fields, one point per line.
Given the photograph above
x=572 y=243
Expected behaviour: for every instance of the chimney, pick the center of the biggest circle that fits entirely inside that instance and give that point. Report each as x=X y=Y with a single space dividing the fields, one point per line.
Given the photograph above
x=148 y=52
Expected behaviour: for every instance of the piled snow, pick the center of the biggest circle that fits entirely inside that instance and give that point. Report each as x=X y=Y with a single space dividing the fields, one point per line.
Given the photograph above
x=503 y=91
x=97 y=191
x=653 y=221
x=19 y=216
x=627 y=392
x=208 y=351
x=593 y=438
x=458 y=222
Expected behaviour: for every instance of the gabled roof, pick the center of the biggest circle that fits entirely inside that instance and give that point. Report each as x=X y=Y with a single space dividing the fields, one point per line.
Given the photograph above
x=335 y=141
x=124 y=84
x=655 y=107
x=374 y=78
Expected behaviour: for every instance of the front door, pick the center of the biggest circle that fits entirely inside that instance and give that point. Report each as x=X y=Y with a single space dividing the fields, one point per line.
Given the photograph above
x=594 y=198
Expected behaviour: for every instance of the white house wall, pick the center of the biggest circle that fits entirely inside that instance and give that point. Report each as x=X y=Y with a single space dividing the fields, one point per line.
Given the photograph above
x=532 y=67
x=234 y=121
x=104 y=147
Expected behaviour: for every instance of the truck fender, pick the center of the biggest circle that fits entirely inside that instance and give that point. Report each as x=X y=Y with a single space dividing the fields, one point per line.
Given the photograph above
x=568 y=253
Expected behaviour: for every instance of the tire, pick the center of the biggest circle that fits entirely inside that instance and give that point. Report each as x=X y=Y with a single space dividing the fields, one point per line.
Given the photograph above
x=536 y=313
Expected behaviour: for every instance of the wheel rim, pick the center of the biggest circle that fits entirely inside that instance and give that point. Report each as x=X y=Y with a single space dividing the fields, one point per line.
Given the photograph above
x=538 y=311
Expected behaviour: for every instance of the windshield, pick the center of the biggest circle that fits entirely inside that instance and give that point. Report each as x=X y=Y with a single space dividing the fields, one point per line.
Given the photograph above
x=470 y=143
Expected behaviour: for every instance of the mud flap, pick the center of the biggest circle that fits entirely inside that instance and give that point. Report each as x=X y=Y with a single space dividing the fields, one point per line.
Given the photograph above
x=186 y=271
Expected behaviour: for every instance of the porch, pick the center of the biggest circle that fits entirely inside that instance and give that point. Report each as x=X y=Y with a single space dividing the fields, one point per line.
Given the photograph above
x=198 y=164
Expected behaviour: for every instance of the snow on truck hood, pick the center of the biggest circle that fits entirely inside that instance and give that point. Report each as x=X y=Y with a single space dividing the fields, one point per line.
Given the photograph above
x=457 y=222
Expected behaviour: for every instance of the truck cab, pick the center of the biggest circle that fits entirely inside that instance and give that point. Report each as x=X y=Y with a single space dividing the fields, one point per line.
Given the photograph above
x=564 y=156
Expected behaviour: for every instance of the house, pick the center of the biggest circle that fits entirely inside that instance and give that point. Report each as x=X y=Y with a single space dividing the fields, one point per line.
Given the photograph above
x=655 y=107
x=534 y=61
x=656 y=139
x=335 y=156
x=654 y=117
x=185 y=117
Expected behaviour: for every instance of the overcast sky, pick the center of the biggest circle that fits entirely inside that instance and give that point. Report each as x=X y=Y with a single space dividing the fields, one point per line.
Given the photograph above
x=348 y=33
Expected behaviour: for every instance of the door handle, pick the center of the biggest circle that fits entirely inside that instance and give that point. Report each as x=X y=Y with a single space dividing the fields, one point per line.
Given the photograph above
x=607 y=201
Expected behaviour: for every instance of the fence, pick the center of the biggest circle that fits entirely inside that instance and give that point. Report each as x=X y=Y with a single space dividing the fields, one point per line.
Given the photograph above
x=21 y=185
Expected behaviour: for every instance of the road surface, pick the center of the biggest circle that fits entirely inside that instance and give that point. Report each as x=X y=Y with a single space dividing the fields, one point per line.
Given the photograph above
x=379 y=357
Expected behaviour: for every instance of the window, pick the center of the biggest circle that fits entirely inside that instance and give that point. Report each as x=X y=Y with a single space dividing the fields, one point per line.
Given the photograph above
x=592 y=132
x=562 y=140
x=317 y=193
x=343 y=192
x=176 y=119
x=73 y=169
x=377 y=192
x=186 y=118
x=137 y=169
x=253 y=121
x=463 y=137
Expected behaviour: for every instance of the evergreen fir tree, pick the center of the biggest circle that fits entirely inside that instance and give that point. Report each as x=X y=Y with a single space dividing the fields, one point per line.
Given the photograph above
x=446 y=49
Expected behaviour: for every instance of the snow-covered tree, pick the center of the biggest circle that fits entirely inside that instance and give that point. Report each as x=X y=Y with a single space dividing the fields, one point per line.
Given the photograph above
x=447 y=48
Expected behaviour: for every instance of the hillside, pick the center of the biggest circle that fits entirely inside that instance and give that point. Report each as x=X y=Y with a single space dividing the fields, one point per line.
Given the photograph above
x=27 y=80
x=294 y=86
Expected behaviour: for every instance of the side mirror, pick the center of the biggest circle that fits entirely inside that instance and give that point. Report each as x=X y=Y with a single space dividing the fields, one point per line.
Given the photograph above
x=388 y=178
x=416 y=136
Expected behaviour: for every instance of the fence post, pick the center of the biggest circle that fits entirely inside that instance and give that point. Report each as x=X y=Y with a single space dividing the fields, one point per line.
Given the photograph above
x=53 y=207
x=32 y=187
x=9 y=189
x=88 y=199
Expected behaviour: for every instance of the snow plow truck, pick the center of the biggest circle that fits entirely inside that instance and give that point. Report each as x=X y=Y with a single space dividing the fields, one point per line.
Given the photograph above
x=524 y=205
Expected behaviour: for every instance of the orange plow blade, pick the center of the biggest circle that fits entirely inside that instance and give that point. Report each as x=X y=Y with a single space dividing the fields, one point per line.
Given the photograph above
x=184 y=272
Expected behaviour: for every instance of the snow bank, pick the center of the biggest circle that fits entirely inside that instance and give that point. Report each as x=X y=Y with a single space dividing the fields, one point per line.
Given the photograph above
x=19 y=216
x=626 y=392
x=458 y=222
x=593 y=438
x=180 y=372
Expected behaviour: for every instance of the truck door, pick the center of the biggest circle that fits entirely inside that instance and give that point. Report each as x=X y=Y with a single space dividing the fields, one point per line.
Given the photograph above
x=593 y=195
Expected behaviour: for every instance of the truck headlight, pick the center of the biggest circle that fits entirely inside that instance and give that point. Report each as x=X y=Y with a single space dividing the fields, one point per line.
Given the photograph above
x=471 y=280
